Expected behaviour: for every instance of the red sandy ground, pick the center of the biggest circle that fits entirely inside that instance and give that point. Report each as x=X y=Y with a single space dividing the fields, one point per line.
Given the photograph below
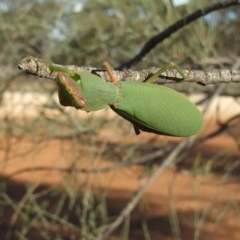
x=191 y=195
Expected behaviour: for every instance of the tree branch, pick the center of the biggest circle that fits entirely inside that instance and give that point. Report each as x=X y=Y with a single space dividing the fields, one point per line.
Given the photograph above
x=155 y=40
x=40 y=68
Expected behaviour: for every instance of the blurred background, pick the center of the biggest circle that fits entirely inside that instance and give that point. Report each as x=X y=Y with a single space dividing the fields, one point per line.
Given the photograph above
x=66 y=174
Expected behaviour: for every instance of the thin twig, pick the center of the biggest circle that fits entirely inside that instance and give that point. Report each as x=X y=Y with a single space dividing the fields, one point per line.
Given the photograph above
x=132 y=204
x=40 y=68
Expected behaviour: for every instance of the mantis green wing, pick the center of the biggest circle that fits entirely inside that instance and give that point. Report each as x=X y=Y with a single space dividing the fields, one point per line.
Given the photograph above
x=158 y=109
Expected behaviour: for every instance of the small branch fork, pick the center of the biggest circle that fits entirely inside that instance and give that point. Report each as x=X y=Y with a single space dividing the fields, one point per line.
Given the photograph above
x=40 y=68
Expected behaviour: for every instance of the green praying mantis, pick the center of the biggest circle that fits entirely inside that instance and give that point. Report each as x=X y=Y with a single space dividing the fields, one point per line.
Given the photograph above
x=149 y=107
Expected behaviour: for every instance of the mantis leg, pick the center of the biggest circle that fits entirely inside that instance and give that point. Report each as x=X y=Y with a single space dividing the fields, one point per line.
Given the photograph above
x=68 y=91
x=109 y=71
x=169 y=66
